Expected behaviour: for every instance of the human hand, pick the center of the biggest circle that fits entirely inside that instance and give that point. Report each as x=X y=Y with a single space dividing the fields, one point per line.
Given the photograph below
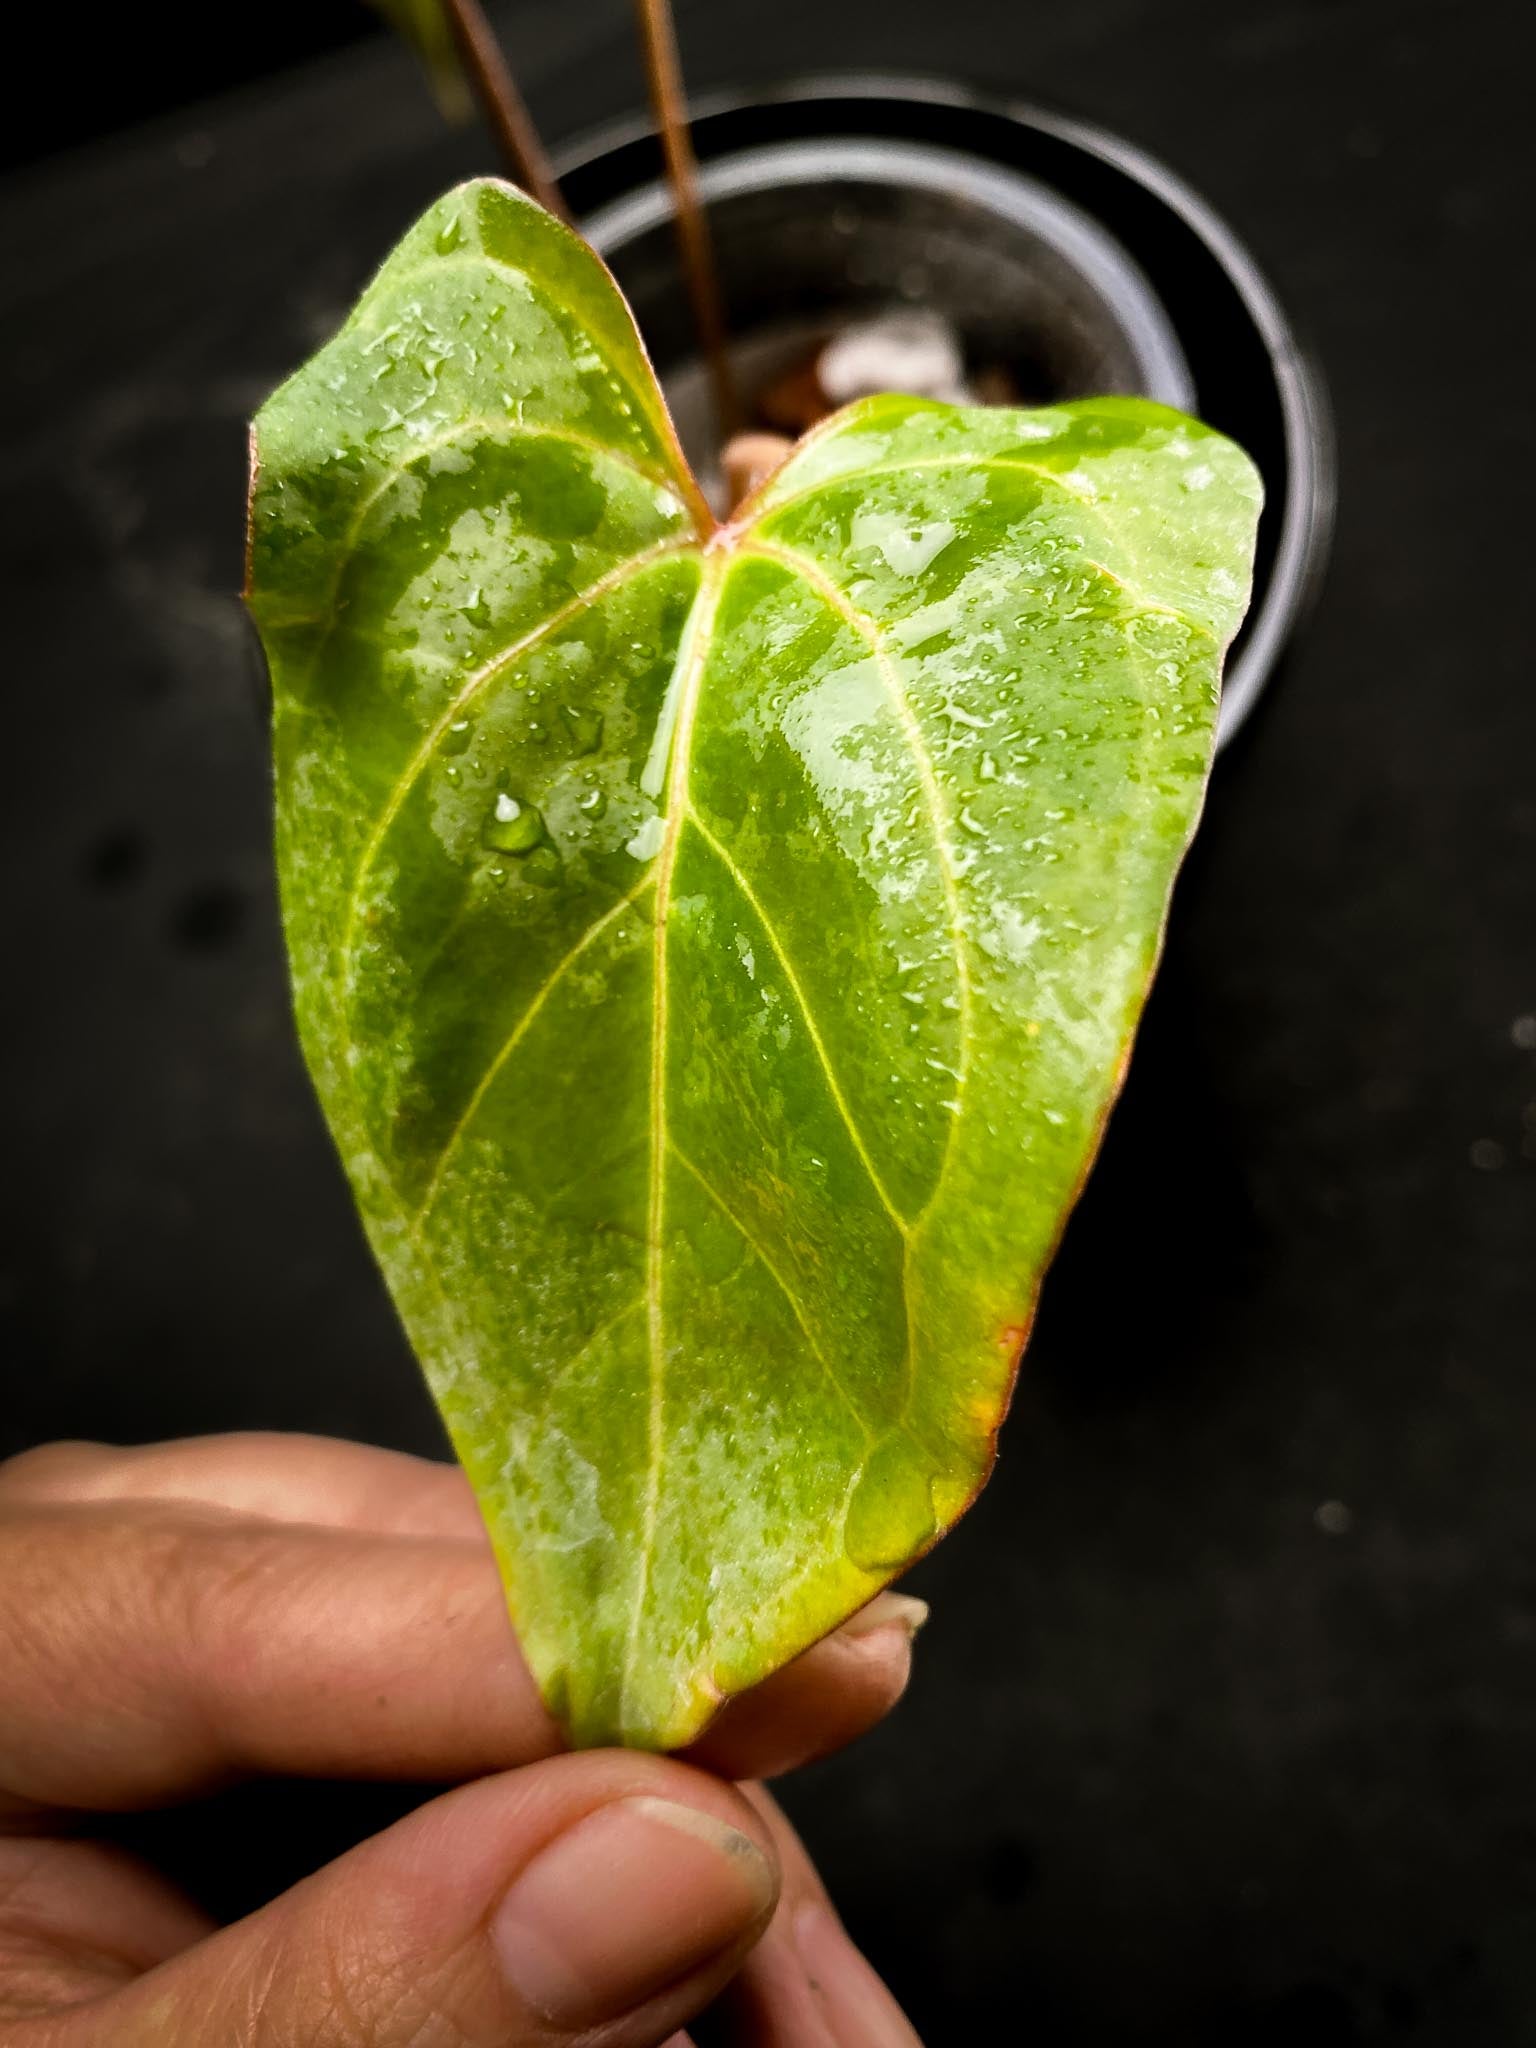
x=180 y=1616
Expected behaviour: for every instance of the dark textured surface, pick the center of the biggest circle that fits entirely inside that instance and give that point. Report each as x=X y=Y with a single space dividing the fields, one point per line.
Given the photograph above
x=1179 y=1765
x=109 y=67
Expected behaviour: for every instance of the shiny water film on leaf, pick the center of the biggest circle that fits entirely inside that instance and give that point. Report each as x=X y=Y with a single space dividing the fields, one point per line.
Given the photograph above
x=716 y=949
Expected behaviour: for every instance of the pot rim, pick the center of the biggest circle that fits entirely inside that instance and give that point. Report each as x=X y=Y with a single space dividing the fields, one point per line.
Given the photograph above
x=1026 y=202
x=1306 y=516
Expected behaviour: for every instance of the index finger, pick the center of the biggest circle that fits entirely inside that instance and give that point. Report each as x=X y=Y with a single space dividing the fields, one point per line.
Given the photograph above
x=195 y=1641
x=266 y=1474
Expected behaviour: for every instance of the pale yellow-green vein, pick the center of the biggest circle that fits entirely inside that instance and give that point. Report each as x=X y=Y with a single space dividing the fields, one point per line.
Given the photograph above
x=603 y=586
x=868 y=631
x=751 y=1242
x=512 y=1041
x=481 y=259
x=466 y=430
x=861 y=473
x=733 y=870
x=547 y=1388
x=859 y=476
x=696 y=642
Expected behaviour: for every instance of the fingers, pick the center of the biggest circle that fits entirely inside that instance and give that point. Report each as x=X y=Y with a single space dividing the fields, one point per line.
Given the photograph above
x=805 y=1985
x=154 y=1652
x=78 y=1919
x=260 y=1473
x=349 y=1633
x=78 y=1922
x=598 y=1897
x=166 y=1637
x=822 y=1701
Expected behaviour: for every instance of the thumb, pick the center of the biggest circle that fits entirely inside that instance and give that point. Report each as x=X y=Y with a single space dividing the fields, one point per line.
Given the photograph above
x=603 y=1894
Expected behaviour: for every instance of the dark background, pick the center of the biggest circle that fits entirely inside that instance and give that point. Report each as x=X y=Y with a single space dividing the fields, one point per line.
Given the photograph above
x=1222 y=1731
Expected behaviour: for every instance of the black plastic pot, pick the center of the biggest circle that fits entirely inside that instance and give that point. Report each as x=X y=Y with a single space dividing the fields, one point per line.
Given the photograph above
x=1061 y=252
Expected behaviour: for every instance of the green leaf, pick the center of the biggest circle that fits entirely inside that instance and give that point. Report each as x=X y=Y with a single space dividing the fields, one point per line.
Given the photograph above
x=716 y=950
x=425 y=26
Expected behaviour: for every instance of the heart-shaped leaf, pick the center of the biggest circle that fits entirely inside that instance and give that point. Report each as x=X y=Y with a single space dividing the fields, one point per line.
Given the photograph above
x=716 y=949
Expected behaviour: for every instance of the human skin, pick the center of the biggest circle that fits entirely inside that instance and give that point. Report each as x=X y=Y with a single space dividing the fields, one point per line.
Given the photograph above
x=187 y=1614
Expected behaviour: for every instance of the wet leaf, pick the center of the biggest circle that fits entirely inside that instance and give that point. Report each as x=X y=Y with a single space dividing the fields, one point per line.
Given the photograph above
x=716 y=950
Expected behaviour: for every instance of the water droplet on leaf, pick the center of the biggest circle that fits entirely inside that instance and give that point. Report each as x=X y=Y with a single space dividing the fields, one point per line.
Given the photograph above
x=890 y=1514
x=649 y=834
x=586 y=728
x=513 y=827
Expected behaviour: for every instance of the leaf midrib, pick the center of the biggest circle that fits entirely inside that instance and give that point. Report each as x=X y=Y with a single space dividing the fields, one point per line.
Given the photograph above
x=725 y=548
x=696 y=641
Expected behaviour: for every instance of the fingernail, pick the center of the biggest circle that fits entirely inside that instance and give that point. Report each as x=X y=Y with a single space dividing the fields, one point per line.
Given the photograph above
x=858 y=2009
x=635 y=1897
x=887 y=1610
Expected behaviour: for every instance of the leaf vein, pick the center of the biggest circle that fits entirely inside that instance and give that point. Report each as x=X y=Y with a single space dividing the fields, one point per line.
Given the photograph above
x=751 y=897
x=611 y=580
x=510 y=1044
x=974 y=462
x=549 y=1387
x=482 y=259
x=484 y=429
x=696 y=638
x=869 y=632
x=748 y=1238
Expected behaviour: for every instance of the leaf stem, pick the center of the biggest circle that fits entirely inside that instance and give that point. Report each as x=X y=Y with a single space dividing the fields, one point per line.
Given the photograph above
x=506 y=112
x=670 y=107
